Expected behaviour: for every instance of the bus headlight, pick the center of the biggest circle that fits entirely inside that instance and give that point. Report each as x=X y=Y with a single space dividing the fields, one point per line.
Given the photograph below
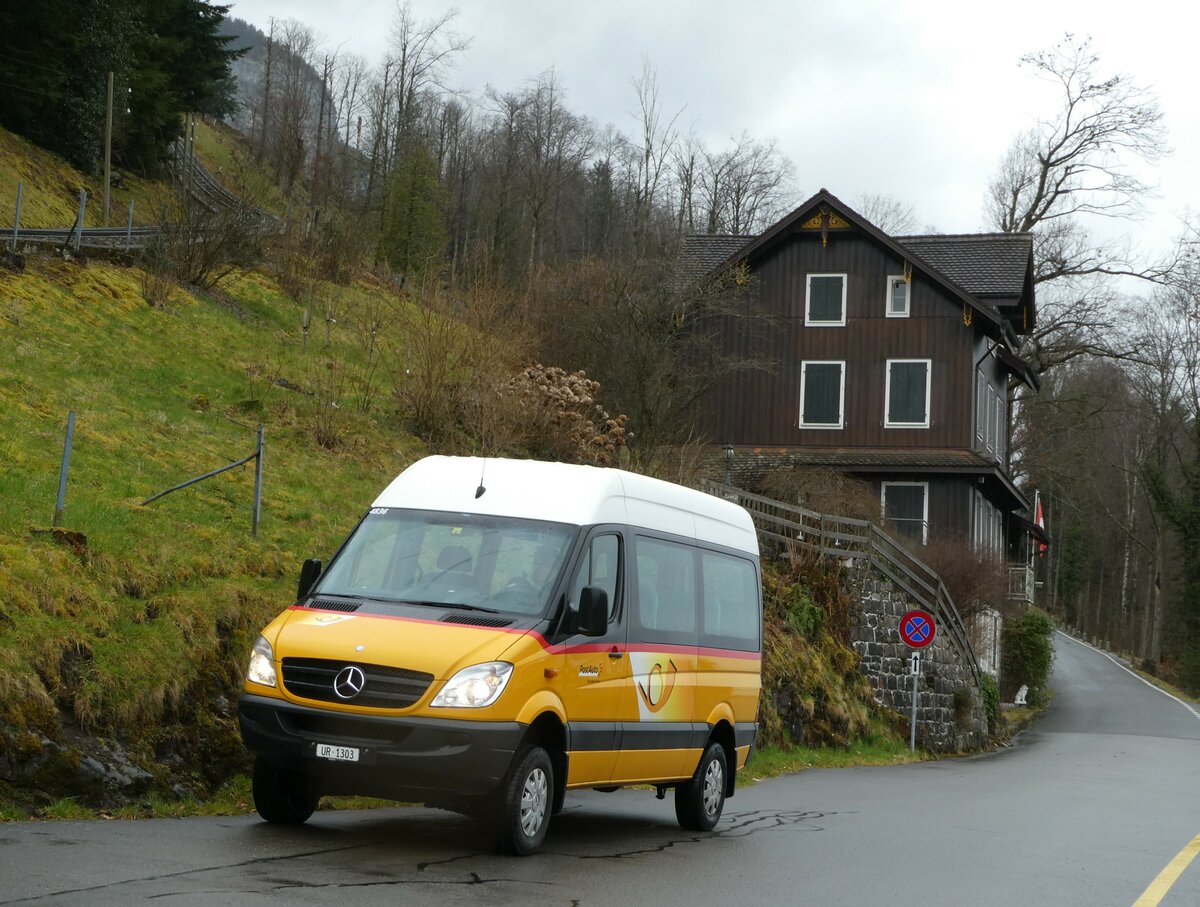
x=474 y=687
x=262 y=664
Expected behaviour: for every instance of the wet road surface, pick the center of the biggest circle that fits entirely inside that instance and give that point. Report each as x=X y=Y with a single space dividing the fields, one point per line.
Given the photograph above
x=1087 y=809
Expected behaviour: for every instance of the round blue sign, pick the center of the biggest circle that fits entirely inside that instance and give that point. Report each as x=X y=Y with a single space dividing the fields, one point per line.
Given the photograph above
x=917 y=629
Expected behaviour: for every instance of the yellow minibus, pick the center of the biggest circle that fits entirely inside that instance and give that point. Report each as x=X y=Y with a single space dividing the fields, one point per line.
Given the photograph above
x=497 y=632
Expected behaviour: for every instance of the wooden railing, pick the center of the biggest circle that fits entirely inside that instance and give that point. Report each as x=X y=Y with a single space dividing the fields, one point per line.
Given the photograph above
x=789 y=525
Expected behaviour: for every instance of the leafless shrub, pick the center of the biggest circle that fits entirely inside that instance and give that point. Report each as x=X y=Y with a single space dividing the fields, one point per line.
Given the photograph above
x=327 y=409
x=155 y=282
x=449 y=358
x=824 y=491
x=974 y=580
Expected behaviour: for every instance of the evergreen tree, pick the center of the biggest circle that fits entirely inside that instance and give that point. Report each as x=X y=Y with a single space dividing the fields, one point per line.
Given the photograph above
x=414 y=236
x=167 y=57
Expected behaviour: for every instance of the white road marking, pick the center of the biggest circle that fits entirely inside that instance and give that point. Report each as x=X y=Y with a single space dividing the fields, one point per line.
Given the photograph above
x=1132 y=673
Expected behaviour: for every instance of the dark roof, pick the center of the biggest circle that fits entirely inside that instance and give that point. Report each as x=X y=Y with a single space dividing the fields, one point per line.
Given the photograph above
x=701 y=254
x=917 y=460
x=985 y=264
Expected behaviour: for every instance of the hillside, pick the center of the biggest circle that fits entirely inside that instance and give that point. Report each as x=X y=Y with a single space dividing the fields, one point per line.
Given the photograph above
x=51 y=190
x=123 y=637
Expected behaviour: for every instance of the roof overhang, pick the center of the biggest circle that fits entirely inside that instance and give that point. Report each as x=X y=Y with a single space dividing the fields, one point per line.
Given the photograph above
x=1027 y=525
x=1019 y=367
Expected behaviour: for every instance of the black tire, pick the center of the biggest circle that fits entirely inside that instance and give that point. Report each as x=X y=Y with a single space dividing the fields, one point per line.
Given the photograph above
x=525 y=802
x=698 y=802
x=281 y=795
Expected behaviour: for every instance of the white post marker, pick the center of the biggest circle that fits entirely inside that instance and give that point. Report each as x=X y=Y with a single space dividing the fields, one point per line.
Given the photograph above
x=915 y=670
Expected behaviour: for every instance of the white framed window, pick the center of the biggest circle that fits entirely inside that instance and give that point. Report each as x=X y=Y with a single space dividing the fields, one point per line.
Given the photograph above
x=988 y=535
x=905 y=507
x=906 y=393
x=980 y=410
x=822 y=394
x=1001 y=434
x=898 y=290
x=825 y=300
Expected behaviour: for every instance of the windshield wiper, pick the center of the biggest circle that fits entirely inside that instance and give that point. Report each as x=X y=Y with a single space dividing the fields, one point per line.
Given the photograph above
x=457 y=605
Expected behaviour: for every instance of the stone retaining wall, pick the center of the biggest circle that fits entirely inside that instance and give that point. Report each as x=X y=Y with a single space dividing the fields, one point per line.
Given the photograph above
x=950 y=714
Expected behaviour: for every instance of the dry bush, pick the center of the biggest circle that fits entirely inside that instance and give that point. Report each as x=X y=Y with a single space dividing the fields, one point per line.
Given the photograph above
x=205 y=242
x=686 y=463
x=449 y=358
x=155 y=282
x=560 y=418
x=327 y=414
x=974 y=580
x=824 y=491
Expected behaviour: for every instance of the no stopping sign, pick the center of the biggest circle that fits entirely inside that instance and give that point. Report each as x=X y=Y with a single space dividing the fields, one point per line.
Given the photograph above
x=917 y=629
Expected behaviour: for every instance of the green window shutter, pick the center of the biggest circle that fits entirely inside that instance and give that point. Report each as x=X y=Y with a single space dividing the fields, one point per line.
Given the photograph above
x=907 y=392
x=822 y=403
x=825 y=297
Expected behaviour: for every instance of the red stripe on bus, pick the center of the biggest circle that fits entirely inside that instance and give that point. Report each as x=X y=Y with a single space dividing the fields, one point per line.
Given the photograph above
x=557 y=648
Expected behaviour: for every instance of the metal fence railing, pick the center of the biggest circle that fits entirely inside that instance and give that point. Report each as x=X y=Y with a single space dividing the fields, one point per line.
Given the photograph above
x=789 y=525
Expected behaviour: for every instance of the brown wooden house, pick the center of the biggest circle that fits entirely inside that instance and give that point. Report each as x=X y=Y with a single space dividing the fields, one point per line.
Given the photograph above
x=893 y=359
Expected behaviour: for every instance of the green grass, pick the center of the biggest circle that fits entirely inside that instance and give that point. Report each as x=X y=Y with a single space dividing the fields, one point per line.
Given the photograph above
x=878 y=748
x=164 y=594
x=51 y=190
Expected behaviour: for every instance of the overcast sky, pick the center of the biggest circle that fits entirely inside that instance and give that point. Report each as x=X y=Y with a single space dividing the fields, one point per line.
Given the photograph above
x=914 y=100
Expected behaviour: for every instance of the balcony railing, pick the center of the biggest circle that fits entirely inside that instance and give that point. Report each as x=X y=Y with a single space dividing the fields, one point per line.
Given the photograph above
x=1020 y=584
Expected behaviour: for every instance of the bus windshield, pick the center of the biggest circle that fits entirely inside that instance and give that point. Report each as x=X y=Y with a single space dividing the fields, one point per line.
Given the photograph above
x=454 y=559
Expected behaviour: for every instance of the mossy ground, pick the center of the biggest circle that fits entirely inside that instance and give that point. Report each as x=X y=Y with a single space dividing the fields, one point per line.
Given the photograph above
x=51 y=190
x=122 y=625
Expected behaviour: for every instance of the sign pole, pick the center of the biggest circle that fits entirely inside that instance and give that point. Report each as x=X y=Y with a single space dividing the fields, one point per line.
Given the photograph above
x=918 y=630
x=916 y=676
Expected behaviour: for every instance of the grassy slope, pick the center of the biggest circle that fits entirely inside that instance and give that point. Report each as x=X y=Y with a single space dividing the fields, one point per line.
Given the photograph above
x=51 y=193
x=166 y=594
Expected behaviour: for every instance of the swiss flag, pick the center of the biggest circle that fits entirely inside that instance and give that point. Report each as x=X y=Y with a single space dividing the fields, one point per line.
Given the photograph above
x=1039 y=517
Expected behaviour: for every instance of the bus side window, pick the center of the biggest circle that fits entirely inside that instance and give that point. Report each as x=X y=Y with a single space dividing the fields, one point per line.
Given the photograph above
x=600 y=567
x=730 y=610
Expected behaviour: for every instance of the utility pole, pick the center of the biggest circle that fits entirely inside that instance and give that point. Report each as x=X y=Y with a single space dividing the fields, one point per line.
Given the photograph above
x=108 y=147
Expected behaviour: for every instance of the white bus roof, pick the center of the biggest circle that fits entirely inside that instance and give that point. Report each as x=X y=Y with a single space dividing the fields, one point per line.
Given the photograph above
x=565 y=493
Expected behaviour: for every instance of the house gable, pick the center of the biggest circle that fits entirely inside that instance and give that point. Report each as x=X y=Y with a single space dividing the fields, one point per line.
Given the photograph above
x=828 y=217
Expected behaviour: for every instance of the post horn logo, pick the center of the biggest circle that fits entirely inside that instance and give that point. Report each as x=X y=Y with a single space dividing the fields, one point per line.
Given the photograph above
x=658 y=686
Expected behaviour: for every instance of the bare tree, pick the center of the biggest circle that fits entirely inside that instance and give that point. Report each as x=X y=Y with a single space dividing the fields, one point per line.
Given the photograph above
x=421 y=54
x=555 y=142
x=744 y=188
x=658 y=142
x=1077 y=162
x=292 y=103
x=888 y=213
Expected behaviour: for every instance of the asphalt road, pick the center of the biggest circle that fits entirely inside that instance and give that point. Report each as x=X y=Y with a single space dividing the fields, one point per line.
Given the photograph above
x=1087 y=809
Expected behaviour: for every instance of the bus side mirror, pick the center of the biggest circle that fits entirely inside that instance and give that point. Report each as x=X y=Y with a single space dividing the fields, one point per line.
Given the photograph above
x=593 y=611
x=309 y=571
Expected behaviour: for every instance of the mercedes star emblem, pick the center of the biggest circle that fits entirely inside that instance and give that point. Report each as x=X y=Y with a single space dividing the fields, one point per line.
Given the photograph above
x=349 y=682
